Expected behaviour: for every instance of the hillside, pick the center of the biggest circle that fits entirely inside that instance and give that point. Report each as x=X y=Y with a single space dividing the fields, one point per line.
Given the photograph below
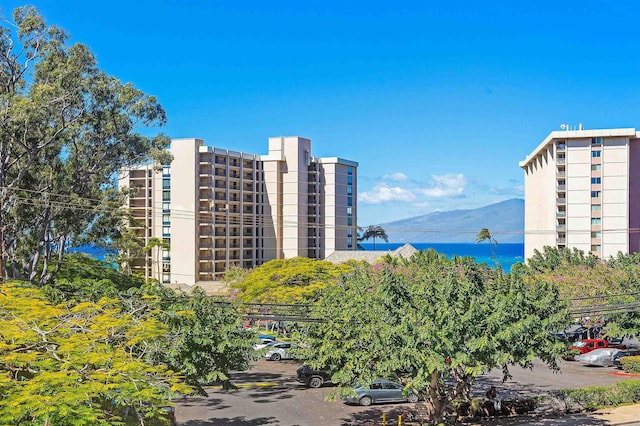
x=505 y=221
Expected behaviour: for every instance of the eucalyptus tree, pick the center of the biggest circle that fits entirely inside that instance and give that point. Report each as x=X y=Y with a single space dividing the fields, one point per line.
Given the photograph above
x=435 y=323
x=66 y=127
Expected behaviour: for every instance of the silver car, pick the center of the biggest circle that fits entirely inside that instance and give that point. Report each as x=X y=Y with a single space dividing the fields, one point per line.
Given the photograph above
x=380 y=391
x=600 y=357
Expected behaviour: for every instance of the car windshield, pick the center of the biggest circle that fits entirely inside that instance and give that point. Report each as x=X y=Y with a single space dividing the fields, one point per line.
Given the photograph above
x=580 y=344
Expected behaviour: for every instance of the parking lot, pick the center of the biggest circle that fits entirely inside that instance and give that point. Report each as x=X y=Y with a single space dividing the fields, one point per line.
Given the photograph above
x=269 y=395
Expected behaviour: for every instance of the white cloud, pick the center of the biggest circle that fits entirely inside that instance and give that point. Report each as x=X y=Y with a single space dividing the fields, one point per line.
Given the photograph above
x=398 y=177
x=383 y=193
x=450 y=185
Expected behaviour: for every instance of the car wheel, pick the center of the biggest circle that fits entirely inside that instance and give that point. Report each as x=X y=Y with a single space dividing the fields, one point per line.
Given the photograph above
x=316 y=382
x=275 y=357
x=413 y=398
x=366 y=401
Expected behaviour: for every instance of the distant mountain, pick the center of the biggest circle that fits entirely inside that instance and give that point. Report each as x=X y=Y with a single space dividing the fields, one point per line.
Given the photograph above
x=505 y=221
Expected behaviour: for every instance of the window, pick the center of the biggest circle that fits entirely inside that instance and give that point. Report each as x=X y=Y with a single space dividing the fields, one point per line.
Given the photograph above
x=350 y=170
x=349 y=243
x=595 y=194
x=596 y=220
x=166 y=184
x=166 y=195
x=596 y=154
x=596 y=181
x=596 y=167
x=349 y=201
x=349 y=180
x=596 y=207
x=166 y=171
x=596 y=141
x=165 y=218
x=349 y=211
x=165 y=206
x=349 y=221
x=349 y=232
x=349 y=190
x=166 y=230
x=596 y=248
x=596 y=234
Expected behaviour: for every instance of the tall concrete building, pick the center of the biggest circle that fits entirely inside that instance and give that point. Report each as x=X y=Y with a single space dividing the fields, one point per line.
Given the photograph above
x=582 y=190
x=216 y=209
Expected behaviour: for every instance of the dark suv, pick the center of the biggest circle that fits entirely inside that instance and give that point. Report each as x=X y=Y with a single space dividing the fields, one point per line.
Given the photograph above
x=622 y=354
x=312 y=378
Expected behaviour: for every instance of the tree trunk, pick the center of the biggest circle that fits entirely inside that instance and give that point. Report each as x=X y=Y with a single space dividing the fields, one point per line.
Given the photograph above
x=437 y=401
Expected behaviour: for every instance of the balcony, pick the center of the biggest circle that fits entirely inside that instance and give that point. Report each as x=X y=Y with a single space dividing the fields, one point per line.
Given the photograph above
x=561 y=160
x=561 y=227
x=562 y=241
x=561 y=213
x=561 y=174
x=561 y=200
x=561 y=188
x=561 y=147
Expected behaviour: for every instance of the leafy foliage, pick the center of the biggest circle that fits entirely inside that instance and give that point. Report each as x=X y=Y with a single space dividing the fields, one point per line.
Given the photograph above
x=79 y=363
x=294 y=280
x=592 y=285
x=66 y=127
x=435 y=322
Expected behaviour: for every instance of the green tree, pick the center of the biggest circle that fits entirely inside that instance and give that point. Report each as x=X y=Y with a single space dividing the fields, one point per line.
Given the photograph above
x=485 y=235
x=436 y=322
x=80 y=364
x=296 y=280
x=66 y=127
x=374 y=231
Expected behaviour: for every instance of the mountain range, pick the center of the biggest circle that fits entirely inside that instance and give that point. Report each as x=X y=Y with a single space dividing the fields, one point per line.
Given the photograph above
x=504 y=220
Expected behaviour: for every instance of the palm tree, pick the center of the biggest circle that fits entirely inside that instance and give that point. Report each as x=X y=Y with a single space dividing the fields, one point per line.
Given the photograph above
x=485 y=235
x=374 y=231
x=158 y=244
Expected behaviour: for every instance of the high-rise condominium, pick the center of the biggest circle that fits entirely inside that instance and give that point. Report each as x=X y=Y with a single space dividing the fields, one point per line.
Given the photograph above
x=215 y=209
x=582 y=190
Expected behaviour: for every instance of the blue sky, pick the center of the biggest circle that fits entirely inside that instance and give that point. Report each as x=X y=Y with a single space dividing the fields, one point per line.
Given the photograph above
x=437 y=103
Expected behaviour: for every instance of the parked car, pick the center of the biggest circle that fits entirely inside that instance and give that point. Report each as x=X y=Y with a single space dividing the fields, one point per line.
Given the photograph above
x=313 y=378
x=588 y=345
x=581 y=333
x=599 y=357
x=279 y=350
x=380 y=391
x=263 y=343
x=626 y=352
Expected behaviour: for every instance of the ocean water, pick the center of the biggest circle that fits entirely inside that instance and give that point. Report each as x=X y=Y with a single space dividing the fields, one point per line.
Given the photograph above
x=506 y=255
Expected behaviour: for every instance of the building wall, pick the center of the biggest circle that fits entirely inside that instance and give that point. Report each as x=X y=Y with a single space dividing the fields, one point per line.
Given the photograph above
x=540 y=202
x=220 y=209
x=578 y=193
x=634 y=195
x=184 y=214
x=601 y=192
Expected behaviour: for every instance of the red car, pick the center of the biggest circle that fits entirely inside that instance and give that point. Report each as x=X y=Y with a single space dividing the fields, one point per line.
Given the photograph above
x=588 y=345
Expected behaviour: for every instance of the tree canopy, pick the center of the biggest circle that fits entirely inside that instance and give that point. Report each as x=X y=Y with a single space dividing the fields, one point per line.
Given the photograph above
x=66 y=127
x=374 y=231
x=82 y=364
x=296 y=280
x=435 y=322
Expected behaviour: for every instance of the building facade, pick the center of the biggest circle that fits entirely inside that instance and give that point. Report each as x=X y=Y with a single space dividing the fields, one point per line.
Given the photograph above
x=215 y=209
x=582 y=190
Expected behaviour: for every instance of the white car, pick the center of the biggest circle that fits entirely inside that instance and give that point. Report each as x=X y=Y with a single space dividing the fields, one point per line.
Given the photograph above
x=279 y=350
x=263 y=343
x=602 y=357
